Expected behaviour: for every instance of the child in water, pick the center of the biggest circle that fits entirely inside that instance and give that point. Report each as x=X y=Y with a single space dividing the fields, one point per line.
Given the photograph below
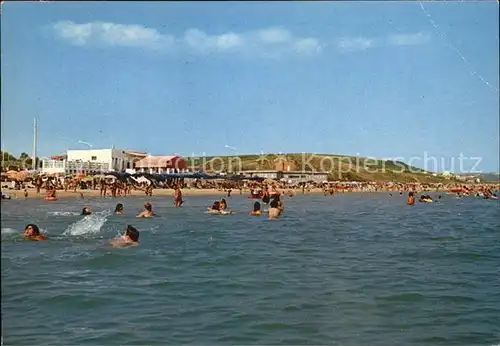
x=32 y=232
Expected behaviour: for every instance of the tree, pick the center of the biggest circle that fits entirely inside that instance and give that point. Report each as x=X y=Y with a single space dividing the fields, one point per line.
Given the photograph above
x=23 y=156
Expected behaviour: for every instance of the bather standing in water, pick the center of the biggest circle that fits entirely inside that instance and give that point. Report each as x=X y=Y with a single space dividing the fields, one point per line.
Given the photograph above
x=276 y=208
x=148 y=210
x=256 y=209
x=178 y=197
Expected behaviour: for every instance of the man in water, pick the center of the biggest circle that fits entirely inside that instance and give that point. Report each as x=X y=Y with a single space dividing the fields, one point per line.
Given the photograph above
x=178 y=197
x=276 y=207
x=129 y=238
x=32 y=232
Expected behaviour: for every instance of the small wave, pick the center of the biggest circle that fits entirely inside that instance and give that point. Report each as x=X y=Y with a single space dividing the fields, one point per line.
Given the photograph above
x=64 y=213
x=90 y=224
x=9 y=231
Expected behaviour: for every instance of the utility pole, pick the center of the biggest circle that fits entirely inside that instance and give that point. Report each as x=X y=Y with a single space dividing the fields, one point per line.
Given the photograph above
x=34 y=143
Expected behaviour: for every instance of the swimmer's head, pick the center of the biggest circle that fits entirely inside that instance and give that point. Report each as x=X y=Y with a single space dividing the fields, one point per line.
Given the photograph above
x=274 y=203
x=216 y=205
x=256 y=206
x=119 y=208
x=31 y=230
x=132 y=233
x=86 y=211
x=410 y=194
x=148 y=206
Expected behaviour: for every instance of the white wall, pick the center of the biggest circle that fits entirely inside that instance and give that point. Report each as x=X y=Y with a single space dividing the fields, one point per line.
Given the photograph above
x=115 y=158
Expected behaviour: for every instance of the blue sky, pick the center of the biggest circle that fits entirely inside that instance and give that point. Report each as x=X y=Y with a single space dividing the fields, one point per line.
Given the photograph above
x=377 y=79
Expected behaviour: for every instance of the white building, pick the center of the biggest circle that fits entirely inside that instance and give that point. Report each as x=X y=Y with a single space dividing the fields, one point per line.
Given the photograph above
x=93 y=160
x=289 y=176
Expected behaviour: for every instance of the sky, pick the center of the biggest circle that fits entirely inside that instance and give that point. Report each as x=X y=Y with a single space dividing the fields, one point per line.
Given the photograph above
x=404 y=80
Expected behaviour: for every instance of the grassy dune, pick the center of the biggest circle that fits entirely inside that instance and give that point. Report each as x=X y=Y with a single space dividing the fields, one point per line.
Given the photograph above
x=339 y=167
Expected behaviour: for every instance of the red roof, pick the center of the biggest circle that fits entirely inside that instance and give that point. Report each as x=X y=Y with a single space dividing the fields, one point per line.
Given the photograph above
x=135 y=153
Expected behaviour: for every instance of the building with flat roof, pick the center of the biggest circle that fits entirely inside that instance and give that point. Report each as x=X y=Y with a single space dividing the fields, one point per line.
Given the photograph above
x=92 y=161
x=288 y=176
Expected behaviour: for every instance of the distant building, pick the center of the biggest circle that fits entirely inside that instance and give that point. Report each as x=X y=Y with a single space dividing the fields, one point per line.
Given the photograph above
x=161 y=164
x=288 y=176
x=92 y=161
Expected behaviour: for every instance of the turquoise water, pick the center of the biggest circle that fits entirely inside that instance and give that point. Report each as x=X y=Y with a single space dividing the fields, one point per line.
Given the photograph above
x=355 y=269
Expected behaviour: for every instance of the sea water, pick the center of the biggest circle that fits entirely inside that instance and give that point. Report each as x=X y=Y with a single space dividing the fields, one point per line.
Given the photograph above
x=353 y=269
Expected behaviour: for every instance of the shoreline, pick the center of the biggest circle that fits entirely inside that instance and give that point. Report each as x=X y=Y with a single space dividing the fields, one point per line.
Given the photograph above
x=68 y=195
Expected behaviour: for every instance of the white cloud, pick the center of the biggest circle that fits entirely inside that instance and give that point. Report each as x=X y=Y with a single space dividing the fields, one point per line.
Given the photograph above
x=408 y=39
x=308 y=46
x=200 y=41
x=274 y=35
x=268 y=42
x=111 y=34
x=349 y=44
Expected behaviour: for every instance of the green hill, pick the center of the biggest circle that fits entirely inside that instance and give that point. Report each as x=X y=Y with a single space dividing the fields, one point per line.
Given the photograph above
x=338 y=167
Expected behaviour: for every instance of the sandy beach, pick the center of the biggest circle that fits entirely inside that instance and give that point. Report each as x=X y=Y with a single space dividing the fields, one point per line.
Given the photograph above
x=19 y=194
x=186 y=192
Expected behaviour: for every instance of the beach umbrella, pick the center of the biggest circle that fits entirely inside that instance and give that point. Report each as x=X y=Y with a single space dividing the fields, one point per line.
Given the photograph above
x=21 y=176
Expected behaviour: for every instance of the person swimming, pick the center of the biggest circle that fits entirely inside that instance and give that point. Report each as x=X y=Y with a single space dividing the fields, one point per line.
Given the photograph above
x=411 y=198
x=129 y=238
x=86 y=211
x=119 y=209
x=256 y=209
x=215 y=208
x=148 y=210
x=32 y=232
x=223 y=204
x=425 y=198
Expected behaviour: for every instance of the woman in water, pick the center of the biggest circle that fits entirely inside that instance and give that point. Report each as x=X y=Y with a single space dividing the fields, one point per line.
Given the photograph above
x=32 y=232
x=129 y=238
x=148 y=210
x=256 y=209
x=86 y=211
x=223 y=204
x=119 y=209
